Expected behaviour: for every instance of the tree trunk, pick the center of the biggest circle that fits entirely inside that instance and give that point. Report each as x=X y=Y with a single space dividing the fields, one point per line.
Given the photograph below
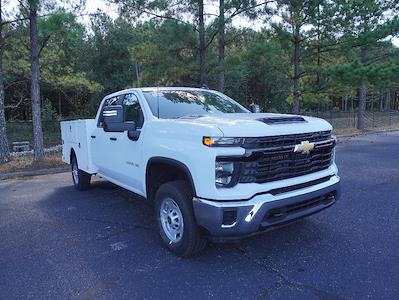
x=296 y=62
x=362 y=106
x=387 y=99
x=137 y=72
x=59 y=105
x=221 y=46
x=35 y=87
x=318 y=58
x=202 y=46
x=4 y=151
x=362 y=95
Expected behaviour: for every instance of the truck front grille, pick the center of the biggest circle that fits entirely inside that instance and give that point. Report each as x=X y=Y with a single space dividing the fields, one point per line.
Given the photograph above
x=284 y=140
x=276 y=159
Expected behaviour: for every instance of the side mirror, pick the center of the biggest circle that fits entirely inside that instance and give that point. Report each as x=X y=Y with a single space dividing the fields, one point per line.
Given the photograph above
x=254 y=108
x=113 y=120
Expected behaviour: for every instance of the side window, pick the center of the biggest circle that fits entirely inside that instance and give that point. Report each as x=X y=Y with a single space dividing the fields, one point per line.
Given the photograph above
x=132 y=110
x=117 y=100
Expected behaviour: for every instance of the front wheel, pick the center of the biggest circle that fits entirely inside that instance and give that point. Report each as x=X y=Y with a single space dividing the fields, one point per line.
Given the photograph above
x=176 y=222
x=81 y=179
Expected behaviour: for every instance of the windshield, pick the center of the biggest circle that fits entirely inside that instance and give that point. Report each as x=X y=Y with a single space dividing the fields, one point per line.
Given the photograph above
x=180 y=103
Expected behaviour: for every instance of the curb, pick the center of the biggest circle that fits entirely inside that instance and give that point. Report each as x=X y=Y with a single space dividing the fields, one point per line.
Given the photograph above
x=19 y=174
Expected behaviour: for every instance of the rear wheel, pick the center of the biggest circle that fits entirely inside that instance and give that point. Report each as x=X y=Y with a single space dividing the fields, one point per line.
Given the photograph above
x=81 y=179
x=175 y=217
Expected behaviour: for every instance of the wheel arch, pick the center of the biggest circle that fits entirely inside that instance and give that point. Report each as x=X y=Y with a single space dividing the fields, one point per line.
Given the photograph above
x=177 y=170
x=72 y=153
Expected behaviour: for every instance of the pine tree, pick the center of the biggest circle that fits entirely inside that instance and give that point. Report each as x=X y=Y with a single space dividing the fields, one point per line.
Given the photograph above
x=295 y=16
x=4 y=150
x=364 y=24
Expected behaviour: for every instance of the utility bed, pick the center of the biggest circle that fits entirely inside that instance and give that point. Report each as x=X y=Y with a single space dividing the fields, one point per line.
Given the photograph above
x=75 y=135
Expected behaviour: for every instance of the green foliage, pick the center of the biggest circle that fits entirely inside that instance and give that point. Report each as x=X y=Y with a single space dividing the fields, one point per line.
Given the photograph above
x=106 y=57
x=257 y=74
x=49 y=114
x=166 y=53
x=364 y=26
x=80 y=63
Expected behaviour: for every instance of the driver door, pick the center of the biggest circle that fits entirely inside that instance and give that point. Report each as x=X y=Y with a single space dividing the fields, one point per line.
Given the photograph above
x=104 y=145
x=131 y=145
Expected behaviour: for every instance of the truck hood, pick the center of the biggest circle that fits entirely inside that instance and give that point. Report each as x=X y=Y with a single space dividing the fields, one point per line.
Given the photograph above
x=261 y=124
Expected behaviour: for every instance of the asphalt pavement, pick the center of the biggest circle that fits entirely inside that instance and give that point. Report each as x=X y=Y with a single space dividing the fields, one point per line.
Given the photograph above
x=58 y=243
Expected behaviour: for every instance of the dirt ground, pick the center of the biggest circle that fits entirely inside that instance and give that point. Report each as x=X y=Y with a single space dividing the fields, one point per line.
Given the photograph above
x=26 y=163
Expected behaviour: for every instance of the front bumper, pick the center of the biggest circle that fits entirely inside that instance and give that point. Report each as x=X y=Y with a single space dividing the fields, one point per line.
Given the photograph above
x=235 y=219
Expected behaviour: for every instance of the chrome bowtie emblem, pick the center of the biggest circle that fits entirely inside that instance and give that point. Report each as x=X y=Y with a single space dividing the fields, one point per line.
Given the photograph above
x=304 y=147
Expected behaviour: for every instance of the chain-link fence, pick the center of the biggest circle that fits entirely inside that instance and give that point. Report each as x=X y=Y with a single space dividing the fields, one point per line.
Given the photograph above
x=21 y=131
x=348 y=119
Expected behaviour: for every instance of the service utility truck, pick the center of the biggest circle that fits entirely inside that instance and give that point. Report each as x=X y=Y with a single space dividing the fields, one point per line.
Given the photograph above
x=211 y=168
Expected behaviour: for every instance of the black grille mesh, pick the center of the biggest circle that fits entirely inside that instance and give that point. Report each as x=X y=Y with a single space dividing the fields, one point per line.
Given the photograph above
x=283 y=163
x=284 y=140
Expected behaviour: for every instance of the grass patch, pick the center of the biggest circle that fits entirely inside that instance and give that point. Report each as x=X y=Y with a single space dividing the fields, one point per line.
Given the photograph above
x=345 y=131
x=26 y=163
x=20 y=131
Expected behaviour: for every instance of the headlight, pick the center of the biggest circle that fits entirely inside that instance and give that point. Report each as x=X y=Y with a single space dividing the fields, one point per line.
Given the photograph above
x=223 y=173
x=222 y=141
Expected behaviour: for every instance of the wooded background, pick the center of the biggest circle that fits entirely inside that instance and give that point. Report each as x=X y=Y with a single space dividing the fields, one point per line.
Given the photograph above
x=314 y=57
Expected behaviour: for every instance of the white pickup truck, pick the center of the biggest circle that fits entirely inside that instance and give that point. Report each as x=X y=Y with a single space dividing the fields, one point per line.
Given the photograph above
x=213 y=169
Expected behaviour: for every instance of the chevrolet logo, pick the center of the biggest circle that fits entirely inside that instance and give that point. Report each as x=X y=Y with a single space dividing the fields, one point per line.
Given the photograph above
x=304 y=147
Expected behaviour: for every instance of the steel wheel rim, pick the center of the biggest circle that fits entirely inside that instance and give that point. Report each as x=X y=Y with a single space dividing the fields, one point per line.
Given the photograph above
x=75 y=175
x=171 y=220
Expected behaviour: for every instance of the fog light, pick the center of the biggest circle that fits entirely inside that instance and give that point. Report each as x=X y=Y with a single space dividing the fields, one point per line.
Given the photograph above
x=229 y=216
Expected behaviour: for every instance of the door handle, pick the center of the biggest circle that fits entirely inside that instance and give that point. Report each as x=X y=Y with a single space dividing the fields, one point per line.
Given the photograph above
x=93 y=136
x=113 y=138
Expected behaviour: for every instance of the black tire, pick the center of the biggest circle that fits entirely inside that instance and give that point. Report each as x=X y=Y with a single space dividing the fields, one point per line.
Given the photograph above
x=82 y=179
x=191 y=241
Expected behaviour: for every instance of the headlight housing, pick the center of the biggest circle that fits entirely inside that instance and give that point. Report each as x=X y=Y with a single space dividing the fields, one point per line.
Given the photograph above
x=225 y=173
x=222 y=141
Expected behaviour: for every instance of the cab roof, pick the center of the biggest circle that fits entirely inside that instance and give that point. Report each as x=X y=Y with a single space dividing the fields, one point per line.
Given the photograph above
x=149 y=89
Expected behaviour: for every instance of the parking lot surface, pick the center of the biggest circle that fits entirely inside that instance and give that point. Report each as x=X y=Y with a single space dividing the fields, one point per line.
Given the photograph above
x=58 y=243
